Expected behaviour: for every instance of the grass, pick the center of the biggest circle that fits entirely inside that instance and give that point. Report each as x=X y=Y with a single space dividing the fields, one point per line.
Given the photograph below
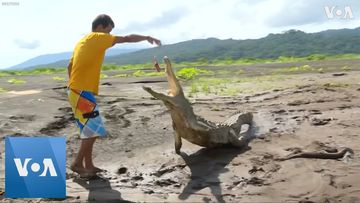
x=234 y=86
x=121 y=75
x=221 y=81
x=191 y=64
x=333 y=84
x=140 y=73
x=103 y=75
x=294 y=69
x=2 y=90
x=191 y=73
x=106 y=67
x=37 y=71
x=16 y=81
x=57 y=78
x=345 y=68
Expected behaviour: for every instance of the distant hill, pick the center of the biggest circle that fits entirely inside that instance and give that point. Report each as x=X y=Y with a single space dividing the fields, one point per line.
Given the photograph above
x=290 y=43
x=60 y=59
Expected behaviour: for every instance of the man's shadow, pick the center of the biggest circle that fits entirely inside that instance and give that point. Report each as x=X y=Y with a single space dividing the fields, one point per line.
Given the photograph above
x=100 y=190
x=207 y=164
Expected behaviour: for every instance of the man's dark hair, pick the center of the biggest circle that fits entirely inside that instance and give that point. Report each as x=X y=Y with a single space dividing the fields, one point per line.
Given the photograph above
x=103 y=20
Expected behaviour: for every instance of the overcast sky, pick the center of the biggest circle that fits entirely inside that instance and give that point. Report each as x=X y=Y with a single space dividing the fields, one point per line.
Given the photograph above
x=30 y=28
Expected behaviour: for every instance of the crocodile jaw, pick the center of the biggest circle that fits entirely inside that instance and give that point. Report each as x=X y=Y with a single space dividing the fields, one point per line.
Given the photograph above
x=174 y=85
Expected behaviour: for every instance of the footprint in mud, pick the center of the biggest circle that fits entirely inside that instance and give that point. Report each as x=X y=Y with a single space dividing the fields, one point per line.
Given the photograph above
x=106 y=83
x=298 y=103
x=10 y=127
x=338 y=74
x=280 y=111
x=144 y=119
x=315 y=112
x=62 y=93
x=145 y=104
x=22 y=118
x=320 y=121
x=117 y=114
x=60 y=123
x=115 y=101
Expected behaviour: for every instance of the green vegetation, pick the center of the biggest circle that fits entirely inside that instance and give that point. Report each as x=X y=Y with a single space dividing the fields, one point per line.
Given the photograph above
x=37 y=71
x=346 y=68
x=102 y=75
x=107 y=67
x=233 y=86
x=191 y=69
x=294 y=69
x=57 y=78
x=16 y=81
x=123 y=75
x=140 y=73
x=2 y=90
x=332 y=84
x=292 y=43
x=191 y=73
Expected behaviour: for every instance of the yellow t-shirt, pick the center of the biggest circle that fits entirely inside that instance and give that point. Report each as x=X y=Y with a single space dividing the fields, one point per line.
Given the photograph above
x=87 y=59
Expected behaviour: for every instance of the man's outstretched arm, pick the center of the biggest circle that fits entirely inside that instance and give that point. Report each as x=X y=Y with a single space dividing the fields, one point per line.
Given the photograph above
x=136 y=38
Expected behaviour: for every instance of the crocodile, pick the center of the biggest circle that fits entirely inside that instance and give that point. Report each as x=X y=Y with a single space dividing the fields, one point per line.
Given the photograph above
x=195 y=129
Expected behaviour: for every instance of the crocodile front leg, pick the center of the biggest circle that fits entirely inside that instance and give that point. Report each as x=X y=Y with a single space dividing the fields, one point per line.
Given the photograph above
x=157 y=95
x=178 y=143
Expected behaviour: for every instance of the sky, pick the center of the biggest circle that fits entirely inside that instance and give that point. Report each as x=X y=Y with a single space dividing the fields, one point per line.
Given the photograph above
x=30 y=28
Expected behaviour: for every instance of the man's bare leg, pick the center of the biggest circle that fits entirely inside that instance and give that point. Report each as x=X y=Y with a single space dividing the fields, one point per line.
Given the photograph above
x=77 y=165
x=85 y=154
x=89 y=165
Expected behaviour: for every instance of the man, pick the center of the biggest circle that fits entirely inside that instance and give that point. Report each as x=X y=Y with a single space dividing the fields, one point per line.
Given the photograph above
x=84 y=76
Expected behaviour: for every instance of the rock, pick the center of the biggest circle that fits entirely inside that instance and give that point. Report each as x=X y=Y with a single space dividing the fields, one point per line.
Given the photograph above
x=320 y=121
x=338 y=74
x=315 y=112
x=136 y=178
x=298 y=103
x=255 y=169
x=255 y=181
x=280 y=111
x=164 y=182
x=134 y=184
x=122 y=170
x=148 y=191
x=161 y=172
x=124 y=180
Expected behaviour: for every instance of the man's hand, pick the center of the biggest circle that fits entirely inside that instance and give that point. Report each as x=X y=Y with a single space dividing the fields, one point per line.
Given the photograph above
x=152 y=40
x=136 y=38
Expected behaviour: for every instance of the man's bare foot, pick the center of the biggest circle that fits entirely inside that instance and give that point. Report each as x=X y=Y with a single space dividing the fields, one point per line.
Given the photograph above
x=95 y=169
x=77 y=169
x=88 y=175
x=84 y=173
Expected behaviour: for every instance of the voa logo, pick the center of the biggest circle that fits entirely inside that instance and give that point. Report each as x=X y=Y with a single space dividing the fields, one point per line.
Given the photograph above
x=35 y=167
x=339 y=12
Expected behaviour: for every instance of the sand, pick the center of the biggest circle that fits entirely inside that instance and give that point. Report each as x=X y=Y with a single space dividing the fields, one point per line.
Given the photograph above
x=309 y=111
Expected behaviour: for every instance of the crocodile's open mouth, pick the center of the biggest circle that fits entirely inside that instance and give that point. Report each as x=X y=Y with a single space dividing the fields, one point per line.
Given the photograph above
x=174 y=85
